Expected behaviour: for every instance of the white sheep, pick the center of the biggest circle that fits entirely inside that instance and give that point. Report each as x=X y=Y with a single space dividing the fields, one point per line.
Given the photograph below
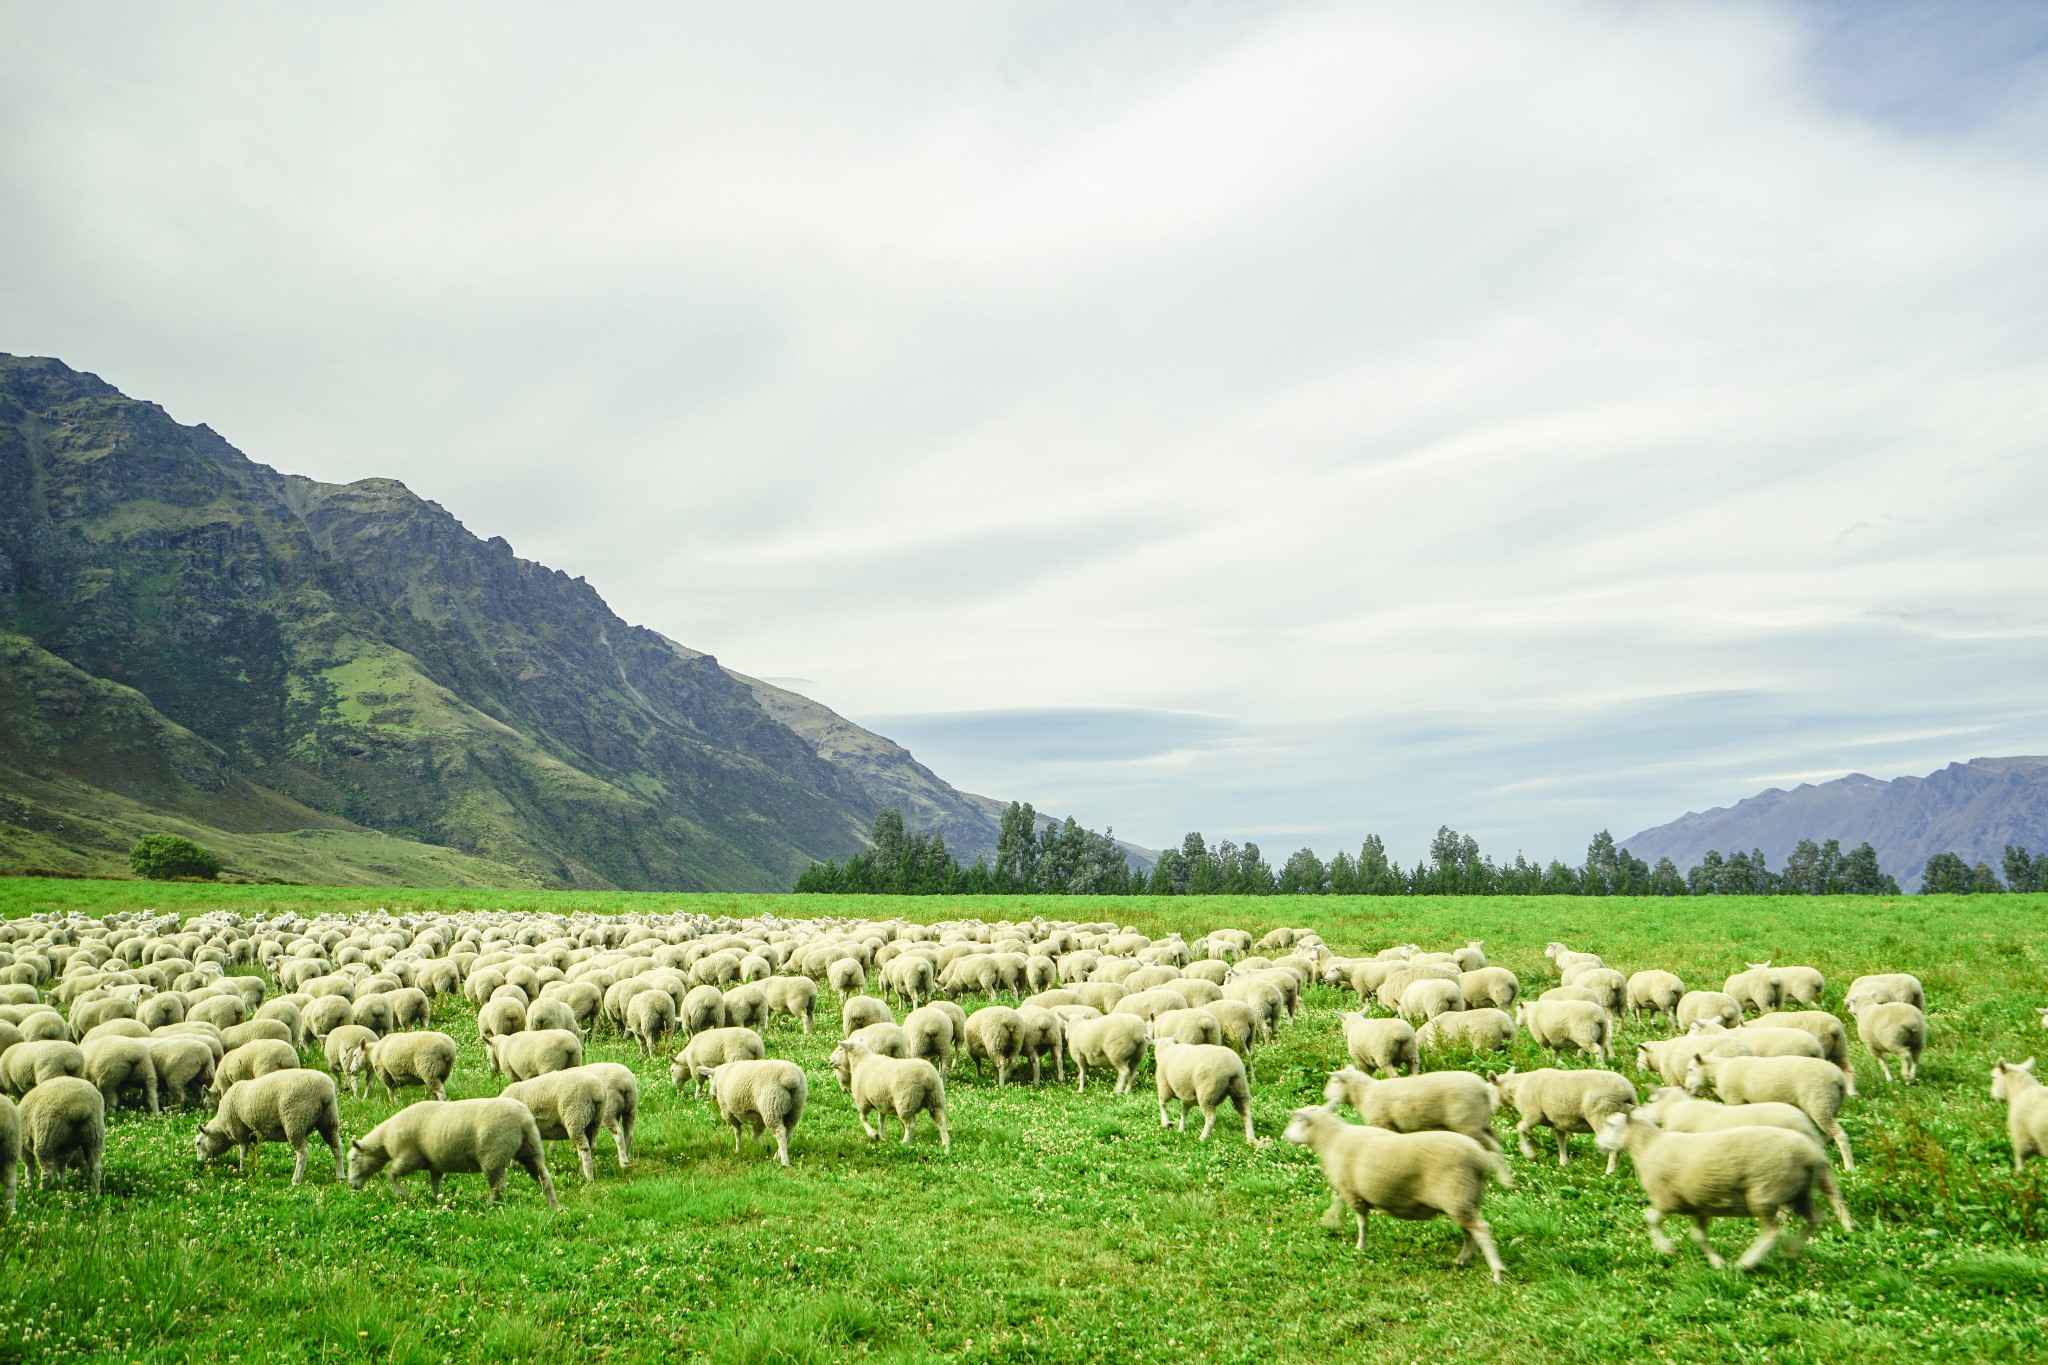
x=651 y=1018
x=1484 y=1030
x=63 y=1123
x=251 y=1060
x=1559 y=1024
x=117 y=1064
x=282 y=1106
x=714 y=1047
x=1422 y=1001
x=1111 y=1040
x=995 y=1033
x=184 y=1068
x=2026 y=1109
x=904 y=1087
x=38 y=1061
x=1803 y=985
x=1757 y=988
x=1655 y=992
x=1490 y=988
x=622 y=1104
x=1202 y=1075
x=1454 y=1101
x=795 y=996
x=1565 y=1102
x=522 y=1056
x=1890 y=1029
x=454 y=1137
x=1378 y=1045
x=347 y=1050
x=10 y=1155
x=1609 y=988
x=1671 y=1058
x=1718 y=1006
x=1675 y=1111
x=765 y=1096
x=1809 y=1084
x=1408 y=1175
x=861 y=1010
x=928 y=1033
x=1890 y=986
x=702 y=1007
x=1766 y=1041
x=566 y=1105
x=424 y=1058
x=1826 y=1029
x=1045 y=1035
x=1753 y=1172
x=1189 y=1026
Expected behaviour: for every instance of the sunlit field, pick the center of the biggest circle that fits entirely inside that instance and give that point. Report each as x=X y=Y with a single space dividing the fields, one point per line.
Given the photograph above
x=1070 y=1227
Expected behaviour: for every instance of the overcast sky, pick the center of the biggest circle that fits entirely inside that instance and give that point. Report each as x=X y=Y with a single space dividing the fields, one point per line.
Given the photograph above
x=1287 y=421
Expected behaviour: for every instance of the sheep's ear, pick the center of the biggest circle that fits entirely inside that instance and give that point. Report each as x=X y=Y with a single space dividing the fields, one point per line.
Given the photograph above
x=2027 y=1065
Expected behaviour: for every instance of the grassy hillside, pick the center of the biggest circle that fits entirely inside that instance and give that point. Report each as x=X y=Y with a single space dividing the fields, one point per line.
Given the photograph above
x=1067 y=1227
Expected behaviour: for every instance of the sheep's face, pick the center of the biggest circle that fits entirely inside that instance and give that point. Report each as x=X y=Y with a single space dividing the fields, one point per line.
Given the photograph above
x=1695 y=1077
x=209 y=1144
x=1299 y=1125
x=363 y=1162
x=1613 y=1134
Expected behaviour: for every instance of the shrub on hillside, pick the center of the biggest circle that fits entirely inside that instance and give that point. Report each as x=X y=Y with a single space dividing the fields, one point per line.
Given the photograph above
x=161 y=857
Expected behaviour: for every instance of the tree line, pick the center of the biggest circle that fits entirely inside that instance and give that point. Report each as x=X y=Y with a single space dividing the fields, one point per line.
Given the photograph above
x=1065 y=859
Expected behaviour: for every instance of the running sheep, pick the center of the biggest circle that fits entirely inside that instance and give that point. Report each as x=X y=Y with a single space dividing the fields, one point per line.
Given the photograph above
x=1812 y=1085
x=1675 y=1111
x=1453 y=1101
x=2026 y=1109
x=1202 y=1075
x=454 y=1137
x=903 y=1087
x=1890 y=1029
x=1485 y=1030
x=1380 y=1045
x=764 y=1096
x=1559 y=1024
x=10 y=1155
x=1565 y=1102
x=281 y=1106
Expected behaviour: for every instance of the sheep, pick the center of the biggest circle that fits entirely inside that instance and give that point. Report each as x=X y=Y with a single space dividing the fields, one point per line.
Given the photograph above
x=1608 y=987
x=1809 y=1084
x=2026 y=1109
x=1768 y=1042
x=621 y=1105
x=184 y=1067
x=1395 y=984
x=565 y=1104
x=1113 y=1040
x=1559 y=1024
x=1566 y=1102
x=347 y=1050
x=1425 y=1000
x=1266 y=1001
x=1673 y=1110
x=1802 y=985
x=928 y=1033
x=1566 y=959
x=847 y=977
x=44 y=1025
x=861 y=1010
x=1104 y=995
x=703 y=1007
x=766 y=1096
x=282 y=1106
x=1237 y=1022
x=375 y=1013
x=453 y=1137
x=549 y=1013
x=1188 y=1026
x=1754 y=1172
x=1826 y=1029
x=1758 y=988
x=274 y=1029
x=746 y=1006
x=796 y=996
x=63 y=1123
x=1479 y=1030
x=326 y=1014
x=1472 y=957
x=423 y=1058
x=1151 y=1004
x=87 y=1015
x=220 y=1010
x=651 y=1017
x=1490 y=988
x=1045 y=1035
x=1890 y=986
x=10 y=1155
x=905 y=1087
x=1454 y=1101
x=499 y=1019
x=1203 y=1075
x=522 y=1056
x=1409 y=1175
x=251 y=1060
x=170 y=1009
x=714 y=1047
x=1891 y=1029
x=995 y=1033
x=117 y=1064
x=1654 y=992
x=1671 y=1057
x=1379 y=1045
x=37 y=1062
x=888 y=1039
x=410 y=1007
x=1717 y=1006
x=1583 y=994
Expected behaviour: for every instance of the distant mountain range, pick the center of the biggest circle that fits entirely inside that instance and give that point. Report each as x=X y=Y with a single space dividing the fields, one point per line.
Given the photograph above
x=1973 y=809
x=340 y=683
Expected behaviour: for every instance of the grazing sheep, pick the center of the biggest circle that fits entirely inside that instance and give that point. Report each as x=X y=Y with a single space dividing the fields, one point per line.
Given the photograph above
x=1237 y=1023
x=796 y=996
x=1565 y=1102
x=222 y=1011
x=703 y=1007
x=565 y=1105
x=238 y=1034
x=1203 y=1075
x=1559 y=1024
x=1486 y=1030
x=523 y=1056
x=621 y=1105
x=410 y=1007
x=251 y=1060
x=1566 y=959
x=88 y=1015
x=63 y=1123
x=170 y=1009
x=282 y=1106
x=861 y=1010
x=547 y=1013
x=44 y=1025
x=1472 y=958
x=887 y=1039
x=1454 y=1101
x=995 y=1033
x=184 y=1068
x=117 y=1064
x=1758 y=988
x=1396 y=983
x=1890 y=986
x=375 y=1013
x=1490 y=988
x=10 y=1155
x=326 y=1014
x=904 y=1087
x=1671 y=1058
x=1673 y=1110
x=1608 y=987
x=1655 y=992
x=1813 y=1086
x=714 y=1047
x=1753 y=1172
x=928 y=1033
x=1103 y=995
x=1716 y=1006
x=1112 y=1040
x=1379 y=1045
x=499 y=1018
x=1891 y=1029
x=1409 y=1175
x=1188 y=1026
x=1583 y=994
x=454 y=1137
x=1423 y=1001
x=37 y=1062
x=847 y=977
x=2026 y=1109
x=746 y=1006
x=1044 y=1036
x=347 y=1050
x=1826 y=1029
x=1802 y=985
x=765 y=1096
x=651 y=1017
x=1151 y=1004
x=424 y=1058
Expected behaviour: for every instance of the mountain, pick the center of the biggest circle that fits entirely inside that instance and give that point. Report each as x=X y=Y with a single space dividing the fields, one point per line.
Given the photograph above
x=1974 y=809
x=340 y=682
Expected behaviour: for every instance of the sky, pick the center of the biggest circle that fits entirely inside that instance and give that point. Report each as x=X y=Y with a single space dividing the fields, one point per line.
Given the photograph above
x=1289 y=421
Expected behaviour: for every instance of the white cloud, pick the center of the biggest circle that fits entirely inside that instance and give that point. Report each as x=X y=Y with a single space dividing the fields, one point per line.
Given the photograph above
x=1419 y=392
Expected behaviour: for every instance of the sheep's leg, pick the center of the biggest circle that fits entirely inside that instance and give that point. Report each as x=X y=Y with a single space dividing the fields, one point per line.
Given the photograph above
x=1208 y=1120
x=1882 y=1067
x=1770 y=1231
x=1613 y=1161
x=1522 y=1132
x=1842 y=1141
x=1081 y=1088
x=1361 y=1211
x=1035 y=1069
x=538 y=1169
x=945 y=1135
x=1164 y=1121
x=299 y=1165
x=1479 y=1234
x=860 y=1112
x=1909 y=1067
x=1182 y=1126
x=434 y=1183
x=1699 y=1235
x=1655 y=1218
x=1564 y=1147
x=782 y=1143
x=585 y=1157
x=906 y=1120
x=735 y=1137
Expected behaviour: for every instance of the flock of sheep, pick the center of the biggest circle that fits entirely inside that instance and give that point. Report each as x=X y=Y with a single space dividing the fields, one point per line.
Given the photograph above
x=224 y=1010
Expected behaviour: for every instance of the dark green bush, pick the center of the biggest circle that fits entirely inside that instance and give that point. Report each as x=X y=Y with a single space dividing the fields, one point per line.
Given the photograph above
x=161 y=857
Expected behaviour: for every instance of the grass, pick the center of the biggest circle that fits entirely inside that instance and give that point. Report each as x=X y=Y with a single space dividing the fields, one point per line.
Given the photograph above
x=1068 y=1227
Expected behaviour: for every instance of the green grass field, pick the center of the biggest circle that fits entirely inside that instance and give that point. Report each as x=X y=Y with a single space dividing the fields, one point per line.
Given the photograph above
x=1068 y=1227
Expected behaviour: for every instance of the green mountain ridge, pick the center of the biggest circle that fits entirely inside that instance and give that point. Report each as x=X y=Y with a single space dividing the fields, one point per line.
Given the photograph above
x=326 y=680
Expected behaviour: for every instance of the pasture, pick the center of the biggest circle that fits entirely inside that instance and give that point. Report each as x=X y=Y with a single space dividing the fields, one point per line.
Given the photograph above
x=1068 y=1227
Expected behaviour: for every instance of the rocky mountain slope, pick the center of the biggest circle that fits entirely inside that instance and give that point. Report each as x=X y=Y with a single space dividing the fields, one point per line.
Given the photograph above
x=1974 y=809
x=302 y=671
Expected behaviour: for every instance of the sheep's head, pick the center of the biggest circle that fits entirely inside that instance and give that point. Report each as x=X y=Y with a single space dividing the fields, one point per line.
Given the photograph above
x=1302 y=1123
x=2005 y=1074
x=1613 y=1134
x=210 y=1144
x=1698 y=1073
x=363 y=1162
x=1707 y=1026
x=1502 y=1084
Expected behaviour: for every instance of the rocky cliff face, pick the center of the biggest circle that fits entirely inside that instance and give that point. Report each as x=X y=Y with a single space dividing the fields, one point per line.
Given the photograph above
x=357 y=654
x=1974 y=809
